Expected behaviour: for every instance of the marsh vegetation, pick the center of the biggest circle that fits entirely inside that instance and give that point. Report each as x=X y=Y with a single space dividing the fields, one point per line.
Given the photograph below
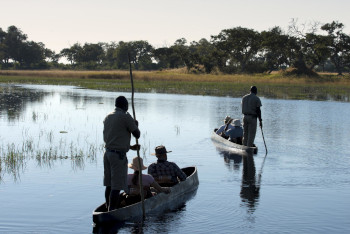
x=327 y=86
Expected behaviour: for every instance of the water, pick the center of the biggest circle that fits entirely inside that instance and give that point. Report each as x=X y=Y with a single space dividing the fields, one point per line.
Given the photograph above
x=304 y=183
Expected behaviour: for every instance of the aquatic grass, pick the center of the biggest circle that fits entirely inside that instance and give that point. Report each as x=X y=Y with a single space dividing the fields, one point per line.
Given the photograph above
x=14 y=162
x=34 y=116
x=144 y=147
x=13 y=157
x=177 y=130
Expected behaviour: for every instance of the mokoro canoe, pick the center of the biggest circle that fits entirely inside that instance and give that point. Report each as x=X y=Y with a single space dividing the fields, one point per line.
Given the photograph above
x=159 y=203
x=225 y=144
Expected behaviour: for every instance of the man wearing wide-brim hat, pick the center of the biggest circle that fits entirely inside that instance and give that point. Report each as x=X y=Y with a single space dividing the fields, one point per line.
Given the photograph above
x=165 y=173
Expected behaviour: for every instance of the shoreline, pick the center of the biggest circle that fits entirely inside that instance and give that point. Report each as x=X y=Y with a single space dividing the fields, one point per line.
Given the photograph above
x=325 y=87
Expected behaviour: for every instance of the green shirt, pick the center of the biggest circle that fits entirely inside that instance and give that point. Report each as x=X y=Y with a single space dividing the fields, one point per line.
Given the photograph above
x=249 y=104
x=118 y=126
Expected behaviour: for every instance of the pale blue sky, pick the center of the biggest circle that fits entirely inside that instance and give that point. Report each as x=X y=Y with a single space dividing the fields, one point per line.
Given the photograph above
x=61 y=23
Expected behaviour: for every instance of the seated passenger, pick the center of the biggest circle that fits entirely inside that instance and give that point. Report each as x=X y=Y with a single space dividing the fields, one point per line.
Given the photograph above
x=164 y=172
x=227 y=123
x=147 y=182
x=236 y=133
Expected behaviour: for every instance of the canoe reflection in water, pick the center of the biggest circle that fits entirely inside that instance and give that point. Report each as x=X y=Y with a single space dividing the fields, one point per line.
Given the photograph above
x=232 y=160
x=249 y=189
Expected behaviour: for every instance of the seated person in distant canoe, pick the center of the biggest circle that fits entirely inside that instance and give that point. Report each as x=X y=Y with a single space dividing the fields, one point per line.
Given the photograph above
x=235 y=134
x=227 y=125
x=164 y=172
x=133 y=194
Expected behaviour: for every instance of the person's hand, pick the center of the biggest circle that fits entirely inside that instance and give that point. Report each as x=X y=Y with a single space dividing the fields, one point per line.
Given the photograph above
x=166 y=190
x=260 y=124
x=135 y=147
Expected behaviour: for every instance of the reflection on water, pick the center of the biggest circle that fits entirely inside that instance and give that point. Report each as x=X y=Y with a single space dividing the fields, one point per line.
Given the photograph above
x=249 y=189
x=39 y=140
x=14 y=99
x=232 y=160
x=171 y=218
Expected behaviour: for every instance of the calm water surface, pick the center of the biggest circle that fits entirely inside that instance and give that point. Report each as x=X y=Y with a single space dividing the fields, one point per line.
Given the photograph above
x=55 y=134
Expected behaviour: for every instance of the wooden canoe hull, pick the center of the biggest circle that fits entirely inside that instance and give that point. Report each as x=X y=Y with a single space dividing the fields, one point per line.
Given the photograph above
x=159 y=203
x=224 y=144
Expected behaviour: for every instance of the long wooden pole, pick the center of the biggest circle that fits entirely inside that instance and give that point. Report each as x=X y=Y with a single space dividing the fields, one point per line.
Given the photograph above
x=137 y=141
x=262 y=165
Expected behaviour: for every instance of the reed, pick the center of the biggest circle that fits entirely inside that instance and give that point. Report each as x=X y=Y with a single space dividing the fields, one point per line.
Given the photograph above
x=13 y=158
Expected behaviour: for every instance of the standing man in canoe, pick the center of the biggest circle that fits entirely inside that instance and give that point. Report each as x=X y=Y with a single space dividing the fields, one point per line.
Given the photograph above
x=118 y=127
x=251 y=110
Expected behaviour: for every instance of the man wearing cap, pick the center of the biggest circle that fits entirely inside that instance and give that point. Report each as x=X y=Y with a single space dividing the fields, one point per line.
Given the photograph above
x=118 y=127
x=165 y=173
x=227 y=123
x=235 y=134
x=251 y=110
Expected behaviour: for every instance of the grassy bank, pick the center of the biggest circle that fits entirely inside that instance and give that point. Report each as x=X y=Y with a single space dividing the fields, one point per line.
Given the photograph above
x=324 y=87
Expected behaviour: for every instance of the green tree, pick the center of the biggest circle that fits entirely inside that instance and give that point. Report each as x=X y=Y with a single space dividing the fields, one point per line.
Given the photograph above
x=14 y=41
x=274 y=49
x=316 y=49
x=121 y=55
x=141 y=54
x=32 y=55
x=2 y=47
x=181 y=55
x=203 y=53
x=240 y=45
x=72 y=54
x=339 y=47
x=162 y=57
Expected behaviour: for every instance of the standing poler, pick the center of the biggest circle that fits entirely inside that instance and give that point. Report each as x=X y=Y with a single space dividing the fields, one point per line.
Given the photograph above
x=118 y=127
x=251 y=110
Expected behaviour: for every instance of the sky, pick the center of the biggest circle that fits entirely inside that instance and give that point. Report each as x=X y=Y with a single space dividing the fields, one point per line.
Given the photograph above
x=60 y=24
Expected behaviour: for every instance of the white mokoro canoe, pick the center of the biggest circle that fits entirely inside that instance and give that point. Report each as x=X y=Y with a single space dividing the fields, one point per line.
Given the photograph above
x=224 y=144
x=161 y=202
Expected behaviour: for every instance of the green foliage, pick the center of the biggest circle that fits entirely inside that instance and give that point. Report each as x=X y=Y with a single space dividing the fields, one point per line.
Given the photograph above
x=240 y=46
x=233 y=50
x=338 y=45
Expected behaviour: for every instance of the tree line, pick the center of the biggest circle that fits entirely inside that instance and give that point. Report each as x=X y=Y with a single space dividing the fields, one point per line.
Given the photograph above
x=236 y=50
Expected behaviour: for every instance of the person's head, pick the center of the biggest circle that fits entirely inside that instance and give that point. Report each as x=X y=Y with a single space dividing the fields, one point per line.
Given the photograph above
x=122 y=103
x=135 y=164
x=236 y=123
x=161 y=152
x=254 y=89
x=227 y=119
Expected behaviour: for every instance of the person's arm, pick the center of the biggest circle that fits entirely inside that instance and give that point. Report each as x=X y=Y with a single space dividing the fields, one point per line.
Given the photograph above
x=159 y=188
x=136 y=133
x=179 y=173
x=258 y=112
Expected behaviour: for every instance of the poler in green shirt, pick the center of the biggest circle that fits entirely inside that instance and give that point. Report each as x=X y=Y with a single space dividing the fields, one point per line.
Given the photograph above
x=251 y=110
x=118 y=127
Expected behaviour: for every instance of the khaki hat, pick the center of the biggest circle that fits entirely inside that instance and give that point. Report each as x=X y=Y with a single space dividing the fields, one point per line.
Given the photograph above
x=228 y=119
x=135 y=162
x=160 y=150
